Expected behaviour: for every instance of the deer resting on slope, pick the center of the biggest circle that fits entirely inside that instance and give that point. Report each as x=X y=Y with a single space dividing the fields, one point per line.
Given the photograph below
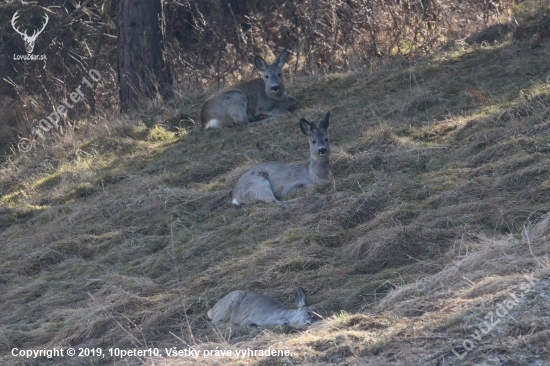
x=249 y=309
x=272 y=181
x=246 y=102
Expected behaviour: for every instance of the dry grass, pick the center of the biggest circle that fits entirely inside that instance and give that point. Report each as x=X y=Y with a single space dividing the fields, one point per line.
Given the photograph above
x=436 y=206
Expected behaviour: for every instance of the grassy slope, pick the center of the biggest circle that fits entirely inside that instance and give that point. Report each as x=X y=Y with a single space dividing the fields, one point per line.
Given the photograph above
x=127 y=239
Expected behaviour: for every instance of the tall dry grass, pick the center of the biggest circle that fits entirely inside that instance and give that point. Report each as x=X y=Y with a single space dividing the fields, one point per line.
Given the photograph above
x=437 y=205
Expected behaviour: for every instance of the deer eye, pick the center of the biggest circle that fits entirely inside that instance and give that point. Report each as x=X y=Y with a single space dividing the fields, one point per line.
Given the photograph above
x=267 y=76
x=314 y=141
x=326 y=139
x=279 y=75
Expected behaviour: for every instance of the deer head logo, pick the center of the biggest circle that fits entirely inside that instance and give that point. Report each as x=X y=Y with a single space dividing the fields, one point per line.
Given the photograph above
x=29 y=40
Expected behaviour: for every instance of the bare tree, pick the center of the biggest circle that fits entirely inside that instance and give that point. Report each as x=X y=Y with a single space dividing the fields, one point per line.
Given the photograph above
x=142 y=68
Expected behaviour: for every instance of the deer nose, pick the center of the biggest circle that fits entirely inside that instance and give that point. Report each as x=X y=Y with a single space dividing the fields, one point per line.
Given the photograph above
x=322 y=151
x=275 y=88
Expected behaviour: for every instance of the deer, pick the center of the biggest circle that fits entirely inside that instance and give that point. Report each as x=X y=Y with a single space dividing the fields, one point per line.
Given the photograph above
x=248 y=101
x=271 y=181
x=29 y=40
x=249 y=309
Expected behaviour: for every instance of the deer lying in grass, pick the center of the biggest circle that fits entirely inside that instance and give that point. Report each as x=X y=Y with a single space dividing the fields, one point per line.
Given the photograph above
x=249 y=309
x=246 y=102
x=272 y=181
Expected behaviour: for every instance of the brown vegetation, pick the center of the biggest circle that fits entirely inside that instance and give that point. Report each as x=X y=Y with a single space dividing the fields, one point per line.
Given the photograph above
x=123 y=235
x=323 y=35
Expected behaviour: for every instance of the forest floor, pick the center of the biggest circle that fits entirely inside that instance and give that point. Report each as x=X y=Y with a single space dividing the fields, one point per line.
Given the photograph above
x=428 y=245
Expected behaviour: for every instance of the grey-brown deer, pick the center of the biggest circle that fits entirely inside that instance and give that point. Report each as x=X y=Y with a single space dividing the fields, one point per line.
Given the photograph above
x=248 y=101
x=249 y=309
x=272 y=181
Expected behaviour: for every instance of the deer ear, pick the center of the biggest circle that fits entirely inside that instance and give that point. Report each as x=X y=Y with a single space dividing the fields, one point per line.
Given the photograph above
x=306 y=127
x=323 y=125
x=301 y=298
x=260 y=63
x=282 y=58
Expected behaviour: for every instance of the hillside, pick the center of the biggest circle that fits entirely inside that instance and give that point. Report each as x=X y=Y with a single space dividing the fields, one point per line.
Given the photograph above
x=436 y=210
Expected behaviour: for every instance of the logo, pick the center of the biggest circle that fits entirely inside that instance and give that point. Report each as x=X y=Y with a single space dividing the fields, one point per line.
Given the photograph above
x=29 y=40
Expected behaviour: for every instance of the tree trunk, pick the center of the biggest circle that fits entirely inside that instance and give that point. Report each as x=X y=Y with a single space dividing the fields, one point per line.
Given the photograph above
x=142 y=69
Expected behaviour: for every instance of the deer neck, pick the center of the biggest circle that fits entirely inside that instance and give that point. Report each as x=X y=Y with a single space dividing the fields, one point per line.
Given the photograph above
x=319 y=168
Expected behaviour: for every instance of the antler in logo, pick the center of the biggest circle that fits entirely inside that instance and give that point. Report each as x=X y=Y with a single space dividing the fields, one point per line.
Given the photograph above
x=29 y=40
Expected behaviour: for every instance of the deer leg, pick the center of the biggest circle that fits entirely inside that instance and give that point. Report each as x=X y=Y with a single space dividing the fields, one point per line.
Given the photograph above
x=237 y=110
x=288 y=202
x=262 y=122
x=262 y=190
x=254 y=186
